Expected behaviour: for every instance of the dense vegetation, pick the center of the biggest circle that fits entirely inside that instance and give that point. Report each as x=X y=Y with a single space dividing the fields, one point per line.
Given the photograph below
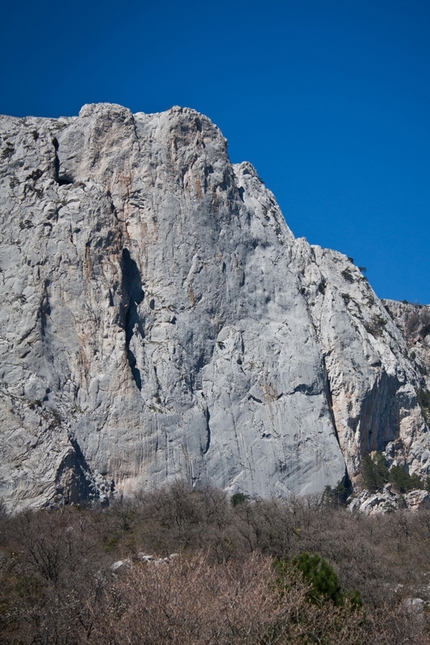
x=376 y=474
x=248 y=572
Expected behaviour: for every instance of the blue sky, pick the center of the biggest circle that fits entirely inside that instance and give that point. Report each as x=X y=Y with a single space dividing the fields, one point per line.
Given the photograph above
x=329 y=99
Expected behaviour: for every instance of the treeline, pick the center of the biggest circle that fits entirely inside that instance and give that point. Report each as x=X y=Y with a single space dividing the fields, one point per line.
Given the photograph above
x=249 y=571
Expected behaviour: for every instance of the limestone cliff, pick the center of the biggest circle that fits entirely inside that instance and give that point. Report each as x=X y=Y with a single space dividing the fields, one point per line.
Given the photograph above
x=413 y=320
x=160 y=320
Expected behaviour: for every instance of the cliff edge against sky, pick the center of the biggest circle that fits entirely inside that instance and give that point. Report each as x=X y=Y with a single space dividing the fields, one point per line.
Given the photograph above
x=159 y=320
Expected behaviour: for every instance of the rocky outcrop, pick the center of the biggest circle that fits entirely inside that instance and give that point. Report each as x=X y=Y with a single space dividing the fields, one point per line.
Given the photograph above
x=160 y=320
x=388 y=501
x=414 y=324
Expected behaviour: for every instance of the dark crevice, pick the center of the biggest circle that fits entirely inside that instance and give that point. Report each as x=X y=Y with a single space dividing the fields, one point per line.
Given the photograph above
x=306 y=388
x=200 y=362
x=64 y=180
x=61 y=179
x=347 y=483
x=208 y=432
x=45 y=309
x=380 y=414
x=133 y=293
x=131 y=277
x=135 y=372
x=157 y=394
x=56 y=160
x=329 y=398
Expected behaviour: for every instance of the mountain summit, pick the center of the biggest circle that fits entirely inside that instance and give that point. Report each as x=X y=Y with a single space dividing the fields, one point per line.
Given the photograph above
x=159 y=320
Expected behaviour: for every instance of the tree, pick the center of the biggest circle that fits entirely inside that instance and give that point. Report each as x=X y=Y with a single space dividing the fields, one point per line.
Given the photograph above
x=323 y=580
x=402 y=481
x=238 y=498
x=375 y=472
x=336 y=496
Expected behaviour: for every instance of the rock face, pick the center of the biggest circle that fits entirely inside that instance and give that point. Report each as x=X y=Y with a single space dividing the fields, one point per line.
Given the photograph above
x=388 y=501
x=159 y=320
x=414 y=323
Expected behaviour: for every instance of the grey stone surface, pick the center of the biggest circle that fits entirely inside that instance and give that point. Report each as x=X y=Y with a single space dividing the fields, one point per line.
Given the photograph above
x=413 y=320
x=387 y=501
x=160 y=320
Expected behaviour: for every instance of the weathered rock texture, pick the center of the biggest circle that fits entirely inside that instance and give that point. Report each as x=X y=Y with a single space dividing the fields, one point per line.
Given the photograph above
x=159 y=320
x=388 y=501
x=414 y=323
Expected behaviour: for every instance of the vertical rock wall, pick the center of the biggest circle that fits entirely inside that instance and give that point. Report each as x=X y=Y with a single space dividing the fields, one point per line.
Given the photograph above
x=159 y=320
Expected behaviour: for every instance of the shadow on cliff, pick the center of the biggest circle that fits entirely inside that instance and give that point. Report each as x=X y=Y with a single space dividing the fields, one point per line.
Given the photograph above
x=74 y=482
x=132 y=296
x=380 y=415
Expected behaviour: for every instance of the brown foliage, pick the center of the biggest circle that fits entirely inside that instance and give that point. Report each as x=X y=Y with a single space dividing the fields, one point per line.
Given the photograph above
x=191 y=601
x=57 y=587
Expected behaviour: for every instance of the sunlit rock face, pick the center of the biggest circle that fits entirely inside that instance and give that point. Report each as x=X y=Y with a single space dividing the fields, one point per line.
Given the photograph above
x=413 y=320
x=159 y=320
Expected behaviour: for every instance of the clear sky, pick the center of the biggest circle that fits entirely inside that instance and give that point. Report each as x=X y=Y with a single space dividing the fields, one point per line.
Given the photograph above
x=329 y=99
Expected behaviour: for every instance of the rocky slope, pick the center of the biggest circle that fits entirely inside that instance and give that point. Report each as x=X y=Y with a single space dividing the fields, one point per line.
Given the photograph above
x=413 y=320
x=159 y=320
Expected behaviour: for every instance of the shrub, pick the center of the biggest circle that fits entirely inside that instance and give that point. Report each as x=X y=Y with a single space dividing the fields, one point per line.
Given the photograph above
x=57 y=586
x=321 y=577
x=347 y=275
x=238 y=498
x=423 y=397
x=402 y=481
x=376 y=325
